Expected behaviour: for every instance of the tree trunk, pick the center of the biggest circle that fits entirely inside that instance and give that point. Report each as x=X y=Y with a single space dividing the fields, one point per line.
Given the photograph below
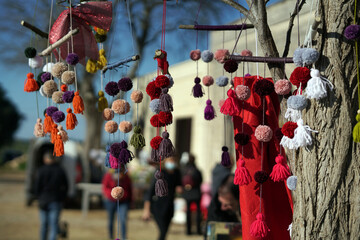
x=327 y=197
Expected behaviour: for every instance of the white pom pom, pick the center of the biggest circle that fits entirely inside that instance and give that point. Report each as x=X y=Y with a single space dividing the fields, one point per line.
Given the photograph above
x=48 y=67
x=35 y=62
x=317 y=86
x=291 y=182
x=302 y=135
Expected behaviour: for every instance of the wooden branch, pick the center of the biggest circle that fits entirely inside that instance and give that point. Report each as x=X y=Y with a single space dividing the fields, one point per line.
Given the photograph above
x=62 y=40
x=241 y=9
x=121 y=62
x=217 y=27
x=34 y=29
x=312 y=30
x=239 y=58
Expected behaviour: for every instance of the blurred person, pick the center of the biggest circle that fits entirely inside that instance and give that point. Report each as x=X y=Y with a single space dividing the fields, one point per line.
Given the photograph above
x=218 y=174
x=109 y=181
x=162 y=208
x=191 y=181
x=51 y=189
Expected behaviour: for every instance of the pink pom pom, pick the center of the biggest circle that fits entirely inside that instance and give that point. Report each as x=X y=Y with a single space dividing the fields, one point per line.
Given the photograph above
x=263 y=133
x=242 y=92
x=111 y=127
x=221 y=102
x=137 y=96
x=117 y=192
x=221 y=54
x=283 y=87
x=125 y=126
x=195 y=54
x=108 y=114
x=246 y=53
x=120 y=106
x=208 y=80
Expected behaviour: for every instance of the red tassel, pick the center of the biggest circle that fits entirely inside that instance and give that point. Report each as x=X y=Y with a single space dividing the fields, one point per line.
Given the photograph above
x=71 y=120
x=30 y=85
x=78 y=103
x=230 y=106
x=54 y=132
x=58 y=147
x=48 y=122
x=259 y=228
x=280 y=171
x=242 y=175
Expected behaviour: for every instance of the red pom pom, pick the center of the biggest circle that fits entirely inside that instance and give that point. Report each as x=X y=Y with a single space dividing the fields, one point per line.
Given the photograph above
x=288 y=129
x=230 y=66
x=165 y=118
x=155 y=142
x=300 y=75
x=153 y=91
x=154 y=120
x=162 y=81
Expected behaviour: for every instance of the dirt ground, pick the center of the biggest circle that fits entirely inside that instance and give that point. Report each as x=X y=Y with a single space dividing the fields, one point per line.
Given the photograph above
x=18 y=222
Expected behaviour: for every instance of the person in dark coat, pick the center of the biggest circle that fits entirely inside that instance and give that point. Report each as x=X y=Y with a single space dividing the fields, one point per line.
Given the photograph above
x=162 y=208
x=191 y=181
x=51 y=189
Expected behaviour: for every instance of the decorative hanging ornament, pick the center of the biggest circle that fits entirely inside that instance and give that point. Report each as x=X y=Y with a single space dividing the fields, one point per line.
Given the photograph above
x=137 y=139
x=39 y=128
x=117 y=192
x=166 y=148
x=71 y=120
x=153 y=91
x=288 y=130
x=155 y=144
x=161 y=186
x=102 y=103
x=165 y=101
x=300 y=76
x=295 y=104
x=242 y=92
x=208 y=80
x=35 y=62
x=317 y=85
x=258 y=228
x=263 y=133
x=280 y=171
x=136 y=96
x=302 y=135
x=120 y=106
x=225 y=157
x=242 y=175
x=197 y=90
x=283 y=87
x=111 y=126
x=125 y=126
x=68 y=77
x=221 y=55
x=112 y=88
x=356 y=130
x=222 y=81
x=230 y=66
x=108 y=114
x=207 y=56
x=30 y=84
x=125 y=84
x=230 y=106
x=195 y=54
x=209 y=112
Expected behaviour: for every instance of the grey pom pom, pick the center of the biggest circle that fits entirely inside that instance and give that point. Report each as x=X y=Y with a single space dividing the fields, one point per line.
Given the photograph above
x=171 y=80
x=207 y=56
x=297 y=102
x=155 y=106
x=309 y=56
x=291 y=182
x=222 y=81
x=297 y=57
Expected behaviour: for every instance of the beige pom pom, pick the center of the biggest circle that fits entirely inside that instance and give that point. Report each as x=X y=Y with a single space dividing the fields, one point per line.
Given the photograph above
x=120 y=106
x=39 y=128
x=117 y=192
x=62 y=133
x=137 y=96
x=58 y=69
x=68 y=77
x=108 y=114
x=49 y=88
x=111 y=126
x=125 y=126
x=57 y=97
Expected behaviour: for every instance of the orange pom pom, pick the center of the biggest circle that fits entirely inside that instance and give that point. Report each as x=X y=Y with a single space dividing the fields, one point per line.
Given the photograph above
x=71 y=120
x=78 y=103
x=54 y=132
x=31 y=84
x=58 y=146
x=64 y=88
x=48 y=122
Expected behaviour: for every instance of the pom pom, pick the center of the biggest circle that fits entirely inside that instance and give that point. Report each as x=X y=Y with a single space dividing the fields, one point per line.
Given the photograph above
x=302 y=135
x=108 y=114
x=261 y=176
x=48 y=122
x=115 y=149
x=155 y=105
x=297 y=102
x=117 y=192
x=230 y=106
x=111 y=126
x=166 y=103
x=209 y=112
x=102 y=103
x=162 y=81
x=225 y=157
x=112 y=88
x=71 y=121
x=161 y=186
x=280 y=171
x=207 y=56
x=30 y=52
x=72 y=59
x=155 y=142
x=125 y=126
x=258 y=228
x=50 y=110
x=165 y=118
x=263 y=133
x=125 y=155
x=166 y=148
x=125 y=84
x=58 y=146
x=63 y=88
x=35 y=62
x=356 y=130
x=300 y=75
x=78 y=103
x=263 y=87
x=195 y=55
x=297 y=57
x=58 y=69
x=68 y=96
x=46 y=76
x=48 y=67
x=30 y=85
x=222 y=81
x=242 y=92
x=153 y=91
x=242 y=139
x=91 y=66
x=136 y=96
x=221 y=54
x=221 y=102
x=137 y=139
x=283 y=87
x=154 y=120
x=208 y=80
x=230 y=66
x=58 y=116
x=317 y=85
x=49 y=88
x=57 y=97
x=310 y=56
x=288 y=129
x=171 y=80
x=242 y=175
x=114 y=162
x=291 y=182
x=246 y=53
x=197 y=90
x=63 y=134
x=352 y=32
x=278 y=134
x=120 y=106
x=68 y=77
x=39 y=128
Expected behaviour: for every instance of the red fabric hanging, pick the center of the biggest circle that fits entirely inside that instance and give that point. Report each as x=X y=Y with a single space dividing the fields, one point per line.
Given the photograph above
x=276 y=199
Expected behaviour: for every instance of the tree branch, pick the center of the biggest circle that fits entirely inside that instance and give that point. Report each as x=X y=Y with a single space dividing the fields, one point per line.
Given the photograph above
x=241 y=9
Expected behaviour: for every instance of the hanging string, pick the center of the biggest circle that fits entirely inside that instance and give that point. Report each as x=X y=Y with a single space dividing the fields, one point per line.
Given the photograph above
x=308 y=25
x=357 y=57
x=298 y=22
x=223 y=46
x=50 y=18
x=130 y=25
x=32 y=22
x=118 y=203
x=256 y=52
x=112 y=39
x=72 y=44
x=37 y=104
x=163 y=26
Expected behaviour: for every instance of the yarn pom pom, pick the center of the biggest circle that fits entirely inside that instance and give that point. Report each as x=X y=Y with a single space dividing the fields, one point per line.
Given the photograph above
x=171 y=80
x=209 y=112
x=155 y=142
x=242 y=175
x=58 y=116
x=263 y=87
x=120 y=106
x=115 y=149
x=221 y=102
x=352 y=32
x=68 y=77
x=108 y=114
x=117 y=192
x=154 y=121
x=297 y=57
x=58 y=69
x=46 y=76
x=49 y=88
x=30 y=52
x=50 y=110
x=112 y=88
x=155 y=106
x=291 y=182
x=230 y=66
x=225 y=157
x=221 y=54
x=246 y=53
x=300 y=75
x=207 y=56
x=297 y=102
x=310 y=56
x=125 y=126
x=283 y=87
x=258 y=228
x=208 y=80
x=162 y=81
x=35 y=62
x=125 y=84
x=280 y=171
x=195 y=55
x=197 y=90
x=165 y=118
x=111 y=126
x=288 y=129
x=261 y=176
x=278 y=134
x=263 y=133
x=68 y=96
x=222 y=81
x=48 y=67
x=57 y=97
x=161 y=186
x=242 y=92
x=64 y=88
x=356 y=130
x=153 y=91
x=242 y=139
x=72 y=59
x=136 y=96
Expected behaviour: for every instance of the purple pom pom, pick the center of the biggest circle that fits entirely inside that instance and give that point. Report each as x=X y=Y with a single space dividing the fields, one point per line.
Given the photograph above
x=209 y=112
x=230 y=66
x=72 y=59
x=263 y=87
x=278 y=134
x=68 y=96
x=197 y=90
x=50 y=110
x=112 y=88
x=115 y=149
x=248 y=75
x=58 y=116
x=242 y=138
x=46 y=76
x=352 y=32
x=261 y=176
x=125 y=84
x=123 y=144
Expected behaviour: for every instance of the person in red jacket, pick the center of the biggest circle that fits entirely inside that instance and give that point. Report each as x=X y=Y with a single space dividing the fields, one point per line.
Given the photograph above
x=111 y=180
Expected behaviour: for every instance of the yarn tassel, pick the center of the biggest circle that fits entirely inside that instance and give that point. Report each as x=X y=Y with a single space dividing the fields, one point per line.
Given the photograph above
x=230 y=106
x=316 y=87
x=48 y=122
x=91 y=66
x=103 y=103
x=259 y=228
x=39 y=128
x=31 y=84
x=78 y=103
x=58 y=147
x=356 y=130
x=155 y=155
x=137 y=139
x=107 y=157
x=101 y=63
x=292 y=114
x=225 y=157
x=242 y=175
x=302 y=135
x=166 y=148
x=280 y=171
x=54 y=132
x=71 y=120
x=209 y=112
x=288 y=142
x=63 y=134
x=197 y=90
x=161 y=186
x=125 y=156
x=166 y=102
x=114 y=162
